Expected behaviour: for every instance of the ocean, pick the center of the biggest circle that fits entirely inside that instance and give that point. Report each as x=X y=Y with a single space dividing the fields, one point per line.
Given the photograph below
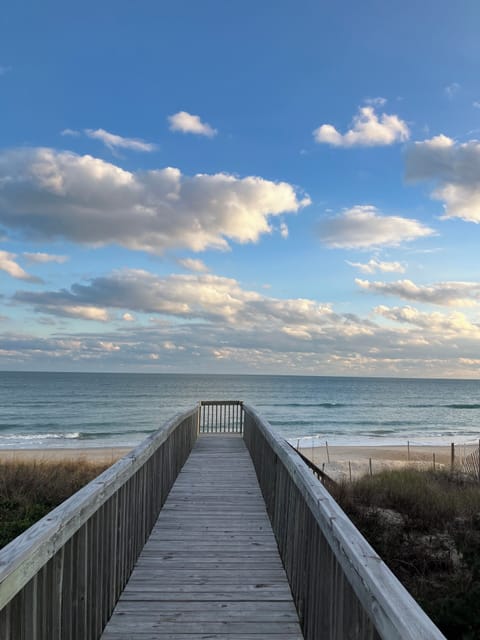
x=107 y=410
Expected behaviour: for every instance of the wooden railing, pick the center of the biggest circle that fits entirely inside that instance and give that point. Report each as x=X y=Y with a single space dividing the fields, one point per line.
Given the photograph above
x=60 y=579
x=221 y=416
x=341 y=587
x=324 y=478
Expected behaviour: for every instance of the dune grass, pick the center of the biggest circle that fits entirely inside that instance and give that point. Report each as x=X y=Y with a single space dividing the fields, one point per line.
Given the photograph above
x=426 y=527
x=29 y=490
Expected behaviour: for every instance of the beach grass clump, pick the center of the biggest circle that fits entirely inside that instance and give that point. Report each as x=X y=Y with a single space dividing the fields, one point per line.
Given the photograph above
x=427 y=499
x=425 y=525
x=29 y=490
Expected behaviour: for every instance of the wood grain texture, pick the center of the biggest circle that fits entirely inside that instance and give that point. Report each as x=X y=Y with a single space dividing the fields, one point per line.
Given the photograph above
x=61 y=579
x=341 y=587
x=211 y=567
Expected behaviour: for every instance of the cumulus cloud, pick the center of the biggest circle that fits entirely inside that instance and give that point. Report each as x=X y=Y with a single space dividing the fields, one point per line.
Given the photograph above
x=52 y=194
x=374 y=265
x=113 y=141
x=43 y=258
x=188 y=123
x=465 y=294
x=451 y=325
x=83 y=312
x=368 y=130
x=206 y=320
x=206 y=297
x=454 y=168
x=363 y=226
x=191 y=264
x=8 y=264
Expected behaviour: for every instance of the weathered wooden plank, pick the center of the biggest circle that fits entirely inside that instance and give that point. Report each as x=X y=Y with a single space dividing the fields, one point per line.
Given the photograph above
x=341 y=587
x=211 y=566
x=61 y=578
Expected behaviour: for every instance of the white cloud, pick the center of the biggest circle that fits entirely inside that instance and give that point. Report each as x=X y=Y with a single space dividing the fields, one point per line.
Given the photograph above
x=8 y=264
x=283 y=230
x=113 y=141
x=200 y=321
x=452 y=89
x=191 y=264
x=188 y=123
x=374 y=265
x=455 y=168
x=368 y=130
x=376 y=102
x=83 y=312
x=70 y=132
x=108 y=346
x=87 y=200
x=465 y=294
x=42 y=258
x=450 y=326
x=363 y=226
x=206 y=297
x=128 y=317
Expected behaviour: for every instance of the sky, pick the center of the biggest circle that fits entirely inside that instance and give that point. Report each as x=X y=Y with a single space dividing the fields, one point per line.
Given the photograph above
x=271 y=187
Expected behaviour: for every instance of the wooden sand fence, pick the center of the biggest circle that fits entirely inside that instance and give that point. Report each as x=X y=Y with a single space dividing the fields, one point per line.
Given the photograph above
x=471 y=464
x=61 y=579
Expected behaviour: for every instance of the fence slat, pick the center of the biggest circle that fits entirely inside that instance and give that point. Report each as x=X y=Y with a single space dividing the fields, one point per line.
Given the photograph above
x=341 y=587
x=221 y=416
x=61 y=578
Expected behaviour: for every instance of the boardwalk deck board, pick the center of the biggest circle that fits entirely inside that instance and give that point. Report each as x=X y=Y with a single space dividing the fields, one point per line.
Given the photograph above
x=211 y=567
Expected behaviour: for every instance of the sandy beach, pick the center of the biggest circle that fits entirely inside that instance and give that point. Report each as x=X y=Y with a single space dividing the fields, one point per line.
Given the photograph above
x=336 y=462
x=92 y=454
x=339 y=463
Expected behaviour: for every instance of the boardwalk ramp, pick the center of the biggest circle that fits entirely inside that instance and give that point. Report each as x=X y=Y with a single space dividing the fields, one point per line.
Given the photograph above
x=211 y=528
x=211 y=567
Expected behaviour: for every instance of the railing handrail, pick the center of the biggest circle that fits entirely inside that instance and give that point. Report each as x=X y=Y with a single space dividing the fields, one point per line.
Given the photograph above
x=23 y=557
x=324 y=478
x=221 y=416
x=393 y=611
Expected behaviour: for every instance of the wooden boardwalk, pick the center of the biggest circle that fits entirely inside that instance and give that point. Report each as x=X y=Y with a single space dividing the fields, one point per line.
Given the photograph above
x=211 y=567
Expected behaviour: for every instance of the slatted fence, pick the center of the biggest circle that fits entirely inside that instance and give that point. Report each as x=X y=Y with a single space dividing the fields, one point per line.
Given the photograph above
x=471 y=464
x=221 y=416
x=60 y=579
x=340 y=586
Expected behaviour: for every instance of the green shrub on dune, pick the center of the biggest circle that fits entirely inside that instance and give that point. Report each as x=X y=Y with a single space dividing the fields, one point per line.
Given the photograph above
x=29 y=490
x=426 y=527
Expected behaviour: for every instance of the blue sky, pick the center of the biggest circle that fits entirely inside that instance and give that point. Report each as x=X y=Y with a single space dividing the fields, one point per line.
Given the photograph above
x=275 y=187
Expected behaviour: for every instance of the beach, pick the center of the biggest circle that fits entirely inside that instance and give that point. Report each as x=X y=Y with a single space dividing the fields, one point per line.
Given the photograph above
x=341 y=460
x=101 y=455
x=338 y=463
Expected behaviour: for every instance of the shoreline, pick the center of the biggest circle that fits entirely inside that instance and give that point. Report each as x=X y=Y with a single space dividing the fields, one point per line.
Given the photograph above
x=340 y=461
